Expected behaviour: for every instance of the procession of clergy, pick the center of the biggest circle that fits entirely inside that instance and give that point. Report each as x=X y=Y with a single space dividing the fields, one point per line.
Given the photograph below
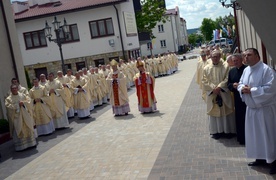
x=50 y=102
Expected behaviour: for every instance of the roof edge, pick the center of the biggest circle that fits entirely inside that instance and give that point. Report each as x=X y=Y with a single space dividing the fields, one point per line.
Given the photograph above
x=68 y=11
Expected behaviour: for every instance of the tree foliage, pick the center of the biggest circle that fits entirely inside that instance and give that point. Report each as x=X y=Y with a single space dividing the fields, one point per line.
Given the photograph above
x=28 y=79
x=207 y=27
x=192 y=39
x=224 y=22
x=195 y=38
x=152 y=12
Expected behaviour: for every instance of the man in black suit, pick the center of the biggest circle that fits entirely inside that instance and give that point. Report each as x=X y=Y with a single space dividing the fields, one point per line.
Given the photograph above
x=240 y=107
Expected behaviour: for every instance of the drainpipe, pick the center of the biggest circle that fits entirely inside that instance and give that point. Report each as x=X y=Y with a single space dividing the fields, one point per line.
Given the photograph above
x=121 y=38
x=9 y=38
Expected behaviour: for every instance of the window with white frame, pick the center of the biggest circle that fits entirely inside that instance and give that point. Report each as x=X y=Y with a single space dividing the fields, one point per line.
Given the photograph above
x=163 y=43
x=35 y=39
x=101 y=28
x=160 y=28
x=149 y=46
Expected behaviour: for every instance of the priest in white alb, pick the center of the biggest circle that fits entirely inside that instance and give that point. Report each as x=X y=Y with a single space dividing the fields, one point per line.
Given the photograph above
x=257 y=88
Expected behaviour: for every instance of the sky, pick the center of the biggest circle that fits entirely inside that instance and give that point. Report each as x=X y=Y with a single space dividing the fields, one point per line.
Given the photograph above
x=193 y=11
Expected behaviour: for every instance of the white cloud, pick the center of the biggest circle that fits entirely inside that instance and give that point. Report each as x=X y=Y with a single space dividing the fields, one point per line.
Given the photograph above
x=193 y=11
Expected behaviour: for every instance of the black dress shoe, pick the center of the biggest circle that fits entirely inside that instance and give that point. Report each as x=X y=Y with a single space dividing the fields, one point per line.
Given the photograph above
x=242 y=143
x=272 y=170
x=229 y=135
x=258 y=162
x=216 y=136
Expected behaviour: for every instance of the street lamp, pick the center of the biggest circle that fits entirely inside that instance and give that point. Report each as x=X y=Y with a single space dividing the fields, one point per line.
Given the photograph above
x=233 y=4
x=59 y=30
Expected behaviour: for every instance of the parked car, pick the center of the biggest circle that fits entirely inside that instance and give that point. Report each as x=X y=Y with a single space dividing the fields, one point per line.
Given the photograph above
x=223 y=42
x=230 y=41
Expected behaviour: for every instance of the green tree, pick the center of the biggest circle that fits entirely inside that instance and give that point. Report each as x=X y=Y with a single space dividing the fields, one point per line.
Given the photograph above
x=223 y=22
x=195 y=38
x=152 y=12
x=28 y=79
x=192 y=39
x=207 y=27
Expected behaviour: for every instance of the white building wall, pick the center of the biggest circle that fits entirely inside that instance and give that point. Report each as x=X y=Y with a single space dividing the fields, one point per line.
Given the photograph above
x=144 y=50
x=130 y=42
x=7 y=50
x=249 y=37
x=170 y=34
x=181 y=29
x=86 y=46
x=261 y=15
x=175 y=34
x=178 y=28
x=184 y=34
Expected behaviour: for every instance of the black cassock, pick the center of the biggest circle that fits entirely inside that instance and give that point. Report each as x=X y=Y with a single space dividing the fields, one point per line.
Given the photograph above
x=240 y=107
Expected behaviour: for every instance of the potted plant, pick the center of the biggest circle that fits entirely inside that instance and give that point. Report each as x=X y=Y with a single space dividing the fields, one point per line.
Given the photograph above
x=4 y=131
x=4 y=126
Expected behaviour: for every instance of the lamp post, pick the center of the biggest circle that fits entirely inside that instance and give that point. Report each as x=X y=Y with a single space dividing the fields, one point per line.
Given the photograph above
x=235 y=6
x=59 y=30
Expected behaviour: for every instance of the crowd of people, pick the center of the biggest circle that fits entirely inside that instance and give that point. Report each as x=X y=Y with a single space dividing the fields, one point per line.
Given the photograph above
x=54 y=99
x=240 y=94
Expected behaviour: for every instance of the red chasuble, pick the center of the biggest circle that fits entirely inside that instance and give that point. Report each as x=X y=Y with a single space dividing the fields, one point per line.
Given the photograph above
x=115 y=86
x=144 y=90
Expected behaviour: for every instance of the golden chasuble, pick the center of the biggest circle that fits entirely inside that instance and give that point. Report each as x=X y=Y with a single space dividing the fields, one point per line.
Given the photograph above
x=41 y=111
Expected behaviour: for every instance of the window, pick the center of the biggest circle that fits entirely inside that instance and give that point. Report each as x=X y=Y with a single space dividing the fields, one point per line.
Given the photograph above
x=39 y=71
x=99 y=62
x=35 y=39
x=163 y=43
x=134 y=53
x=101 y=28
x=160 y=28
x=73 y=34
x=80 y=65
x=217 y=41
x=116 y=58
x=67 y=66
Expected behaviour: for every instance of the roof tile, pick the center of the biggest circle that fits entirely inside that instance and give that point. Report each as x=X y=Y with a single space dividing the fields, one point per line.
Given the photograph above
x=66 y=5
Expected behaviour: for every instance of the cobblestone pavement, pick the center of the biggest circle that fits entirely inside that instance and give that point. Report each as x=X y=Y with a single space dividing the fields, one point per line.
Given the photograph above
x=172 y=143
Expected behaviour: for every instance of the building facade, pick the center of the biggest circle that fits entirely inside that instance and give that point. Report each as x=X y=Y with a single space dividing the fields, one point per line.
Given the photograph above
x=11 y=65
x=99 y=32
x=256 y=28
x=169 y=36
